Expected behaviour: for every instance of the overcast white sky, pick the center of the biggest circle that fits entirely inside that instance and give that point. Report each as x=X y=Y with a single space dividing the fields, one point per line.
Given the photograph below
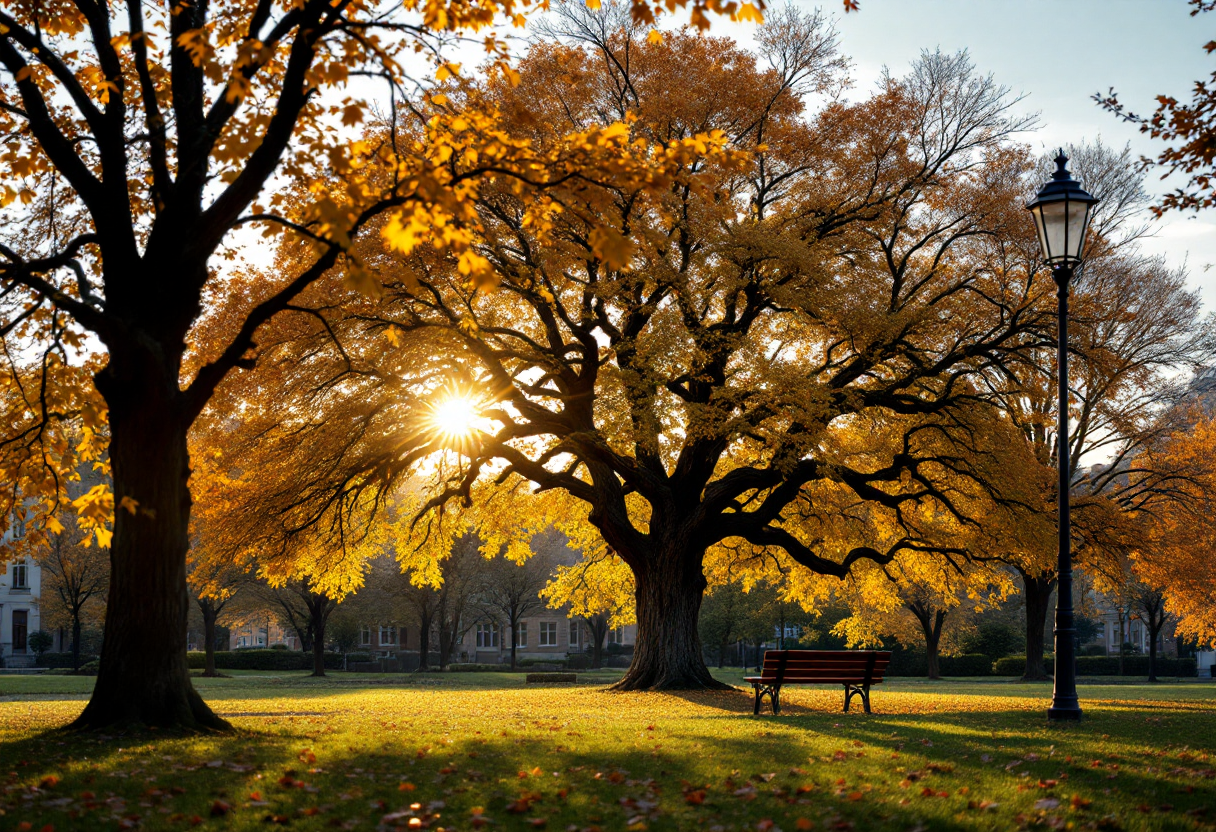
x=1059 y=53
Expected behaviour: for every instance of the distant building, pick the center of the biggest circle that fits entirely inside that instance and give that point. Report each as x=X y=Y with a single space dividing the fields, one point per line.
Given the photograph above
x=20 y=591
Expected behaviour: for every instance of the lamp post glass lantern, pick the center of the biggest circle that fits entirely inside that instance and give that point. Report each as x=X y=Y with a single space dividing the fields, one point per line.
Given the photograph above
x=1061 y=211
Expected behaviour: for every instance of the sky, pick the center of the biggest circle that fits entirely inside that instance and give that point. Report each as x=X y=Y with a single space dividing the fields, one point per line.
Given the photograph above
x=1058 y=53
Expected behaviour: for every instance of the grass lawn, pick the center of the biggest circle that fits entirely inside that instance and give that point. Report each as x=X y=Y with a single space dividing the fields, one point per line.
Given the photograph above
x=484 y=751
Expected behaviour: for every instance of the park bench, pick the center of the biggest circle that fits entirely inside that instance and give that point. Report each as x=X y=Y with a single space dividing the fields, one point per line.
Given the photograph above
x=855 y=669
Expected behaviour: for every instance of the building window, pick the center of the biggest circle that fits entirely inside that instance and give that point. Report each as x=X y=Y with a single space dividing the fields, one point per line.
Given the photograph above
x=388 y=635
x=487 y=635
x=21 y=575
x=521 y=634
x=548 y=634
x=575 y=641
x=616 y=635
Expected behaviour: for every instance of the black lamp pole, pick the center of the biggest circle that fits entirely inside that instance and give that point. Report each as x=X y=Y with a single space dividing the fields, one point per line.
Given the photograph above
x=1064 y=702
x=1061 y=212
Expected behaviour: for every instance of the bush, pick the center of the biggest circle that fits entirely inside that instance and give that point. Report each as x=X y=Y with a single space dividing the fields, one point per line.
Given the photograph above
x=533 y=662
x=358 y=657
x=1092 y=650
x=971 y=664
x=262 y=659
x=1102 y=666
x=278 y=647
x=40 y=641
x=612 y=648
x=579 y=661
x=89 y=669
x=907 y=661
x=1016 y=665
x=62 y=659
x=479 y=668
x=995 y=640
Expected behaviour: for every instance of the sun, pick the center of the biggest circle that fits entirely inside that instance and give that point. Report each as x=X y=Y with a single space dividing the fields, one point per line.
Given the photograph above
x=454 y=416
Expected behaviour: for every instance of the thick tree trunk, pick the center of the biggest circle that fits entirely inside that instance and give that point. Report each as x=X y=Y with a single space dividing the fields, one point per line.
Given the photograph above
x=144 y=677
x=667 y=654
x=209 y=616
x=514 y=641
x=1037 y=594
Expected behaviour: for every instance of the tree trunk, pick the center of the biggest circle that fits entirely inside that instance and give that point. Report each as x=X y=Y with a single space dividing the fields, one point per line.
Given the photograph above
x=1122 y=640
x=599 y=631
x=1037 y=592
x=931 y=627
x=319 y=610
x=514 y=641
x=1152 y=654
x=667 y=654
x=209 y=616
x=424 y=641
x=144 y=677
x=76 y=639
x=722 y=651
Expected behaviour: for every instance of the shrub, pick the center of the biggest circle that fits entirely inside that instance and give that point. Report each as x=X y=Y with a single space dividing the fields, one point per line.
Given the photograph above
x=1102 y=666
x=278 y=647
x=907 y=661
x=995 y=640
x=358 y=657
x=89 y=669
x=533 y=662
x=579 y=661
x=1016 y=665
x=971 y=664
x=1092 y=650
x=262 y=660
x=40 y=641
x=479 y=668
x=62 y=659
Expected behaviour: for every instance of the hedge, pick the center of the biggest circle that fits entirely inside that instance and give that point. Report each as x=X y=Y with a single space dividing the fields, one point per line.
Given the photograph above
x=1102 y=666
x=970 y=664
x=63 y=659
x=262 y=660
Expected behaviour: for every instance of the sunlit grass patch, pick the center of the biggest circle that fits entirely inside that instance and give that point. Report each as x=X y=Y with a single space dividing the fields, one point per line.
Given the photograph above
x=494 y=753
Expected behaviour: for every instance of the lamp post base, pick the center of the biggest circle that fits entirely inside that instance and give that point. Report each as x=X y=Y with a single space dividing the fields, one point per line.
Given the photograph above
x=1064 y=712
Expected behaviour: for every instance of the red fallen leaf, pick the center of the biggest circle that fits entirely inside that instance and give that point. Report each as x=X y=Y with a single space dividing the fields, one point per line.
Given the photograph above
x=1079 y=802
x=50 y=827
x=649 y=727
x=943 y=794
x=310 y=811
x=406 y=787
x=840 y=755
x=195 y=820
x=1048 y=784
x=24 y=826
x=804 y=789
x=840 y=781
x=1144 y=807
x=219 y=808
x=448 y=770
x=49 y=782
x=306 y=756
x=804 y=824
x=537 y=823
x=855 y=796
x=695 y=797
x=87 y=795
x=764 y=825
x=927 y=792
x=616 y=778
x=255 y=795
x=279 y=819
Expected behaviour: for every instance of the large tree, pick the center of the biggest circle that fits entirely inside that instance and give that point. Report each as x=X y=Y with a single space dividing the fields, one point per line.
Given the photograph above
x=140 y=138
x=696 y=367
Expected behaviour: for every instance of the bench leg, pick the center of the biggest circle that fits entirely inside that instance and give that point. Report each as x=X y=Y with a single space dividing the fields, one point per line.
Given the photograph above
x=865 y=697
x=774 y=696
x=773 y=692
x=756 y=709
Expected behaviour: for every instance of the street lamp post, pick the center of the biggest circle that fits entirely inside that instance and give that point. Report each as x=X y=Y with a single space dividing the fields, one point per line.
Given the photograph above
x=1061 y=211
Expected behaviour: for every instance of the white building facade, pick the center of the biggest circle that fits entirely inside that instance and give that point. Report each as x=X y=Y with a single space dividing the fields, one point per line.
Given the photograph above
x=20 y=589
